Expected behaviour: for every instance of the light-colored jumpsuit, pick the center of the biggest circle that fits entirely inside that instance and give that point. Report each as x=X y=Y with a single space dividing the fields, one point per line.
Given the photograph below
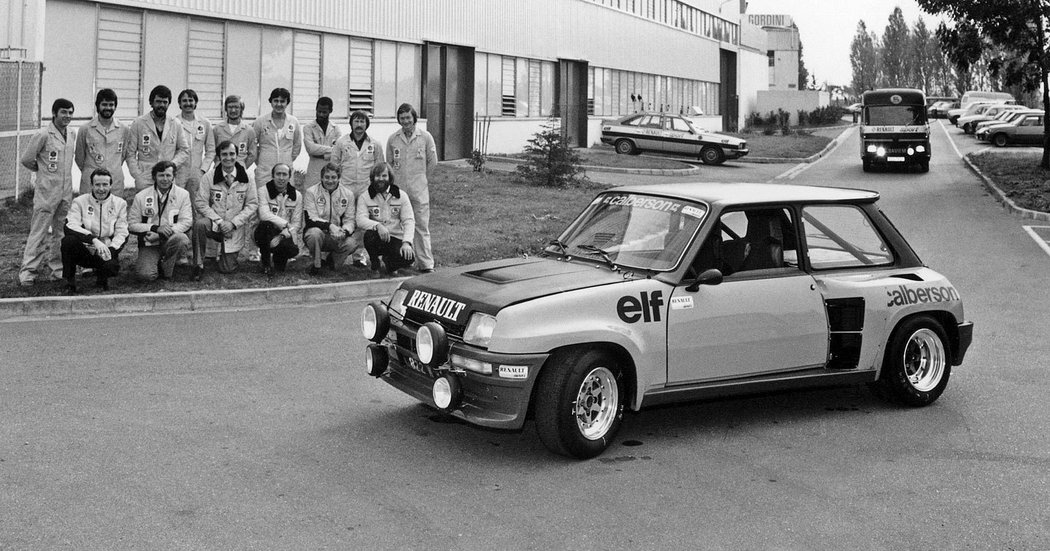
x=276 y=145
x=318 y=144
x=201 y=140
x=412 y=158
x=145 y=148
x=101 y=147
x=50 y=155
x=242 y=135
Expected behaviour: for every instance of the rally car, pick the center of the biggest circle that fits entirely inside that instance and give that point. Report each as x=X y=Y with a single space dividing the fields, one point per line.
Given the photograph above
x=669 y=293
x=669 y=133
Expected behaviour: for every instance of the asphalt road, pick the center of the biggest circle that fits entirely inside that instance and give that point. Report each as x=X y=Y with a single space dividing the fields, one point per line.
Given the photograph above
x=260 y=430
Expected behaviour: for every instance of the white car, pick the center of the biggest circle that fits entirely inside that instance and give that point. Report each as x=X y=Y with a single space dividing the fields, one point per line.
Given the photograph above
x=968 y=123
x=669 y=133
x=670 y=293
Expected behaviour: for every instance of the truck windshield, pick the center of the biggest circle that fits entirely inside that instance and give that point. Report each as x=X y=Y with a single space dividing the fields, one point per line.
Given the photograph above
x=895 y=115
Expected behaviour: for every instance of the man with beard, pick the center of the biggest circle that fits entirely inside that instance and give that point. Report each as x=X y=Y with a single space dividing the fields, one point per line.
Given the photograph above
x=236 y=130
x=385 y=214
x=318 y=138
x=155 y=137
x=50 y=155
x=330 y=212
x=356 y=154
x=201 y=140
x=95 y=232
x=100 y=143
x=161 y=215
x=225 y=202
x=280 y=220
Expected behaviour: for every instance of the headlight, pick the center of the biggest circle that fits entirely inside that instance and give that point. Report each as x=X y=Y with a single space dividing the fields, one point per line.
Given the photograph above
x=920 y=148
x=376 y=360
x=479 y=329
x=432 y=344
x=447 y=393
x=881 y=152
x=911 y=151
x=397 y=301
x=375 y=322
x=871 y=148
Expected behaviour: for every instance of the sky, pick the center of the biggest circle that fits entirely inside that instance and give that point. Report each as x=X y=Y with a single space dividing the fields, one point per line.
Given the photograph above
x=826 y=29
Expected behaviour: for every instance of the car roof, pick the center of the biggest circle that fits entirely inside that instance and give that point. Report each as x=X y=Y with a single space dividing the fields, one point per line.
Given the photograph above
x=726 y=194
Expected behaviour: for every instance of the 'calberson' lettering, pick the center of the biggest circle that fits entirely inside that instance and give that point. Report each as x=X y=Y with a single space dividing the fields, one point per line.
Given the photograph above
x=904 y=296
x=436 y=304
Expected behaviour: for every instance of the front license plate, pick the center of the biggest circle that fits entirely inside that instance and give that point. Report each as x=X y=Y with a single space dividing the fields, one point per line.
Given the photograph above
x=417 y=366
x=895 y=159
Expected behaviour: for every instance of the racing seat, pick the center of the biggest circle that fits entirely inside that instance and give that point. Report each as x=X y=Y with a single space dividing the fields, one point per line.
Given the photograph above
x=765 y=241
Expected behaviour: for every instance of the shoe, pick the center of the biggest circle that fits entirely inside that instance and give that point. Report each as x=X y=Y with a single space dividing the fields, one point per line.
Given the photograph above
x=255 y=257
x=315 y=270
x=267 y=271
x=26 y=282
x=329 y=262
x=360 y=263
x=426 y=270
x=198 y=273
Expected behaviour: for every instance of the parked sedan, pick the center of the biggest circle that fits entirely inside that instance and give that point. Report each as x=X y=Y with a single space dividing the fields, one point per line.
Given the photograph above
x=969 y=122
x=939 y=110
x=668 y=133
x=981 y=130
x=1024 y=130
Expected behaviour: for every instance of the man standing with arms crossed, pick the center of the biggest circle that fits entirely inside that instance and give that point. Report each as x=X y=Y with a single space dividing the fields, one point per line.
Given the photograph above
x=155 y=137
x=413 y=155
x=235 y=130
x=50 y=155
x=201 y=141
x=318 y=137
x=100 y=143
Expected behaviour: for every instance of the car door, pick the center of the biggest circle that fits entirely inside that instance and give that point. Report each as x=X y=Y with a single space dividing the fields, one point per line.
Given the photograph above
x=1030 y=131
x=685 y=140
x=766 y=315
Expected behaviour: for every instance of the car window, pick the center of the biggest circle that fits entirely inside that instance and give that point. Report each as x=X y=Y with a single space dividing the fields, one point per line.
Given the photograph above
x=652 y=121
x=750 y=240
x=842 y=236
x=679 y=124
x=633 y=121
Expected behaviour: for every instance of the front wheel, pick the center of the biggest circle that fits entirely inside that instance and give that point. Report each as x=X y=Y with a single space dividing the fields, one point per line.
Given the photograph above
x=1000 y=140
x=625 y=147
x=579 y=402
x=712 y=155
x=917 y=365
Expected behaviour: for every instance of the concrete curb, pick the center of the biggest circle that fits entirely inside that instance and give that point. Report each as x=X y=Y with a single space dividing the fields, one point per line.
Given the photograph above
x=592 y=168
x=25 y=309
x=1001 y=197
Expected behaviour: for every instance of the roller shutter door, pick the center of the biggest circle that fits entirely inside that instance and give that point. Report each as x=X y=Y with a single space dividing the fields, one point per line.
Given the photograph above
x=120 y=58
x=205 y=66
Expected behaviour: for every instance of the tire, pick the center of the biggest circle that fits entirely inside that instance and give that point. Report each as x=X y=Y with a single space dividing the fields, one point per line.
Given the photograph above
x=625 y=147
x=967 y=128
x=579 y=402
x=917 y=365
x=924 y=166
x=1000 y=140
x=710 y=155
x=866 y=165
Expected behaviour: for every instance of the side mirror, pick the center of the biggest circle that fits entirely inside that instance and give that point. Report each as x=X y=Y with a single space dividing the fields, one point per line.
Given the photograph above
x=712 y=276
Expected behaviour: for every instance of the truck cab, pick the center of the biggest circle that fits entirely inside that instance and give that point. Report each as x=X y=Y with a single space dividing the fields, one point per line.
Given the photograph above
x=894 y=129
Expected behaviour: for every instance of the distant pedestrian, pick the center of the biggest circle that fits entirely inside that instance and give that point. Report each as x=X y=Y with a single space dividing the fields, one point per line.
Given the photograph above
x=50 y=155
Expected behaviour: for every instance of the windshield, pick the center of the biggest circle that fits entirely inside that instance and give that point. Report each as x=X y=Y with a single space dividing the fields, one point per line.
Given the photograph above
x=634 y=230
x=896 y=115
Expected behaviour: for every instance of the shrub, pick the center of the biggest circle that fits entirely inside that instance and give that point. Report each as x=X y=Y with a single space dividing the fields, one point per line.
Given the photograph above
x=549 y=161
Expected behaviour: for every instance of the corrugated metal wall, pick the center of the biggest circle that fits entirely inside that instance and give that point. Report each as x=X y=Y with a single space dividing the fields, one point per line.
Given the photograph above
x=539 y=29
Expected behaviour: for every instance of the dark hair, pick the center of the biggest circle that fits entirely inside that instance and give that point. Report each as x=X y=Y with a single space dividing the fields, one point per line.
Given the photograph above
x=105 y=94
x=331 y=168
x=273 y=171
x=161 y=167
x=325 y=101
x=189 y=92
x=159 y=91
x=60 y=103
x=377 y=170
x=407 y=108
x=281 y=93
x=100 y=172
x=359 y=114
x=223 y=145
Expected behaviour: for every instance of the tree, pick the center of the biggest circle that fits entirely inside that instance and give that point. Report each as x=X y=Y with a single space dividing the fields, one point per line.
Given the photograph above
x=549 y=161
x=863 y=59
x=926 y=49
x=803 y=73
x=1019 y=27
x=896 y=52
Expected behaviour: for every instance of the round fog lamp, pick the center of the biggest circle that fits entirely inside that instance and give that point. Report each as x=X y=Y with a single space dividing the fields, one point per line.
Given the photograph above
x=375 y=321
x=376 y=360
x=432 y=344
x=911 y=151
x=447 y=393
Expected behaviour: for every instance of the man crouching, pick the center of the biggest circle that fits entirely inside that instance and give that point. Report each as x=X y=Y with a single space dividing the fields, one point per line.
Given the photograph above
x=160 y=216
x=96 y=230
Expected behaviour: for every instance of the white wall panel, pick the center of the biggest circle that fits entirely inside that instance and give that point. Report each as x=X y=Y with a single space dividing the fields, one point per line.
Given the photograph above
x=306 y=75
x=243 y=76
x=164 y=54
x=204 y=68
x=71 y=27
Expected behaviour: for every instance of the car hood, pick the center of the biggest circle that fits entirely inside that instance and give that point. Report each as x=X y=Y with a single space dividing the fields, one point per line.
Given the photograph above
x=452 y=294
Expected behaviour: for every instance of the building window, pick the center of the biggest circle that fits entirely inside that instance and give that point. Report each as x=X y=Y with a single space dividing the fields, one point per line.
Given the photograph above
x=306 y=74
x=361 y=95
x=772 y=56
x=119 y=56
x=509 y=105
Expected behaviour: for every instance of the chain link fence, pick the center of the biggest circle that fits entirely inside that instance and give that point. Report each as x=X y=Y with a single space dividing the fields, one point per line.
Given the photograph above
x=19 y=119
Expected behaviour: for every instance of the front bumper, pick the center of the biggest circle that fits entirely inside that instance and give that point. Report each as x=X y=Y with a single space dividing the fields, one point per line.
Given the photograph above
x=735 y=153
x=499 y=400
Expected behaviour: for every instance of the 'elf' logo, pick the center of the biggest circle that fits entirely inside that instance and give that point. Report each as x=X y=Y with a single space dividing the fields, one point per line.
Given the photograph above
x=646 y=308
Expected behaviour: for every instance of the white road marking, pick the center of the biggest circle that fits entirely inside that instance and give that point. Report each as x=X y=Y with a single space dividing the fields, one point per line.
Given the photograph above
x=790 y=173
x=1043 y=240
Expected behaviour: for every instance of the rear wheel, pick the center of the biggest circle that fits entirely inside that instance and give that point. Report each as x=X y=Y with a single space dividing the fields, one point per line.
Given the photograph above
x=625 y=147
x=579 y=402
x=917 y=365
x=1000 y=140
x=712 y=155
